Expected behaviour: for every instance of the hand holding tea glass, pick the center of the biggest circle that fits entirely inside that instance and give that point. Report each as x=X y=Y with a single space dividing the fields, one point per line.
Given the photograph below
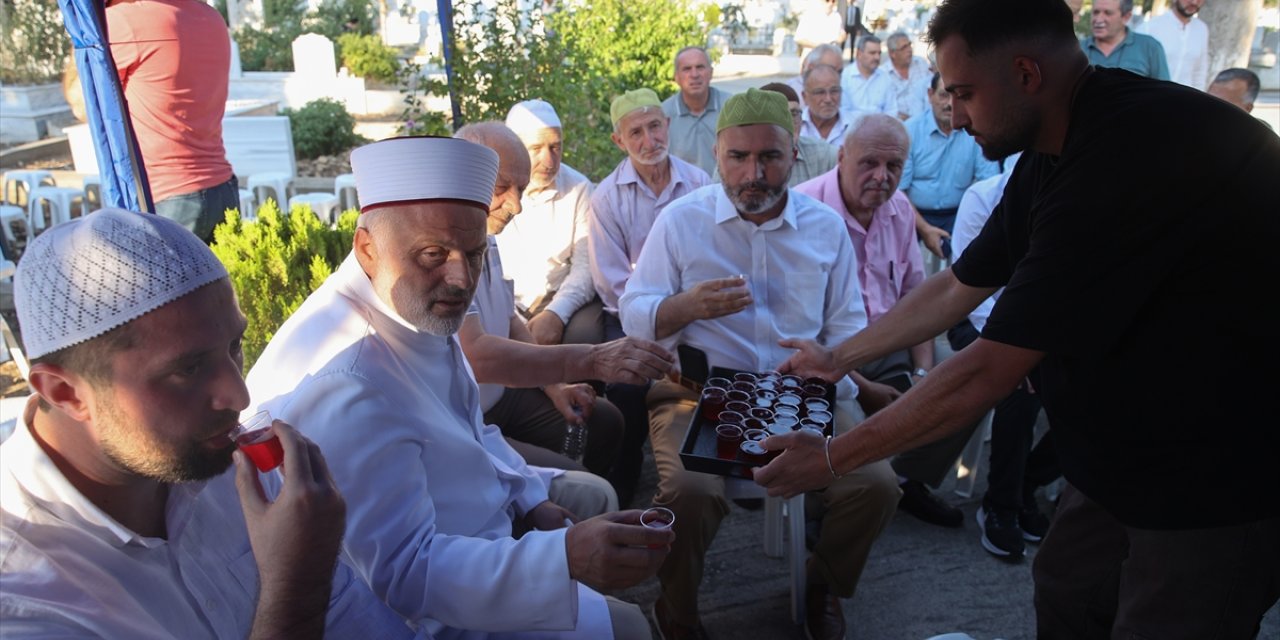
x=296 y=537
x=615 y=551
x=715 y=298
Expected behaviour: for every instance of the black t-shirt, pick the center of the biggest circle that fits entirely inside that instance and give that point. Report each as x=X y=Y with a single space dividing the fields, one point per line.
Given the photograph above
x=1144 y=262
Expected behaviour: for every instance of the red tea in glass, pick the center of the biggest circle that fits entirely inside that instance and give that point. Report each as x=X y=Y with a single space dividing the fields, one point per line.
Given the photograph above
x=740 y=407
x=731 y=417
x=256 y=439
x=728 y=437
x=753 y=452
x=713 y=400
x=657 y=518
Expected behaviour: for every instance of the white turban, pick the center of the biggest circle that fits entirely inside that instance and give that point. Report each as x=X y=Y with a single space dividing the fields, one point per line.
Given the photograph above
x=423 y=168
x=530 y=116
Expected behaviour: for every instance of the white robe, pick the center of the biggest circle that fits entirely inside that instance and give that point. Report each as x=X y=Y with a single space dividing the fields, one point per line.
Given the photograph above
x=431 y=490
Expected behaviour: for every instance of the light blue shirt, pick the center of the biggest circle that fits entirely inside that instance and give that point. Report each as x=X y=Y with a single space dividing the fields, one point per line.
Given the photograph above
x=1139 y=53
x=889 y=92
x=940 y=167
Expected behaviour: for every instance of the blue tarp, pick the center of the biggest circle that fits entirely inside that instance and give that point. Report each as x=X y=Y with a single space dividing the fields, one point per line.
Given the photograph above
x=124 y=181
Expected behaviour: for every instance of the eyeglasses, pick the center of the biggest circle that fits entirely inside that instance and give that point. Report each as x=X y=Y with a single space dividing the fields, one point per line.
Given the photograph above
x=796 y=113
x=834 y=92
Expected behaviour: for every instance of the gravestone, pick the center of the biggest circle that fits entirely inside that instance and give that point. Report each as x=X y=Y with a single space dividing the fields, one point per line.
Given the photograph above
x=313 y=57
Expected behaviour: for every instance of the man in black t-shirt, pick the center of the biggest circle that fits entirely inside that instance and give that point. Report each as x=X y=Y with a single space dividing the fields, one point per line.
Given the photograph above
x=1136 y=276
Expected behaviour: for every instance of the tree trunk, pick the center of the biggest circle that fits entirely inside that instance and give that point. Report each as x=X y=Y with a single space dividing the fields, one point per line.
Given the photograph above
x=1231 y=24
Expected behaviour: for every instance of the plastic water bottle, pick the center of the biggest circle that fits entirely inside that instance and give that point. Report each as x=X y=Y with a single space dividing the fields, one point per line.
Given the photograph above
x=575 y=437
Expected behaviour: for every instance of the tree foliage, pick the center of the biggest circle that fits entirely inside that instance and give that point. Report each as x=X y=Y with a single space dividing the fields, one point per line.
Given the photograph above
x=33 y=41
x=577 y=57
x=275 y=262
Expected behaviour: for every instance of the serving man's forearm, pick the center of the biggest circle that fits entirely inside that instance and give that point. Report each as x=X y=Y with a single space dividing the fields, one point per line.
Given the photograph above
x=954 y=395
x=931 y=308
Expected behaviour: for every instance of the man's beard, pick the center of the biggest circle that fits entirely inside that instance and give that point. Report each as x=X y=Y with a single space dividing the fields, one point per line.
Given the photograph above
x=194 y=462
x=1182 y=11
x=1017 y=134
x=770 y=196
x=416 y=309
x=659 y=156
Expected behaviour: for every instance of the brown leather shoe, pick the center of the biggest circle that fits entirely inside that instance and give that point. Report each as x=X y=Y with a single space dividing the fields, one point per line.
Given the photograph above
x=823 y=617
x=669 y=629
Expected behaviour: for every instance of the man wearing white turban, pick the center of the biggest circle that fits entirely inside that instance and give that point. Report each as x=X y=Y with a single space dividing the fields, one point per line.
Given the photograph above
x=369 y=366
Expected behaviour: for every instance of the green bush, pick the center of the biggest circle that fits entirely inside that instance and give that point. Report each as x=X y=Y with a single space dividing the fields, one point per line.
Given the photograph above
x=271 y=48
x=334 y=18
x=33 y=42
x=578 y=58
x=367 y=57
x=321 y=127
x=267 y=50
x=276 y=262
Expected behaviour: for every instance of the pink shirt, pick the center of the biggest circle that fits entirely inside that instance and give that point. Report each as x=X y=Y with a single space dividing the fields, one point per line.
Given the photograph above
x=889 y=261
x=173 y=57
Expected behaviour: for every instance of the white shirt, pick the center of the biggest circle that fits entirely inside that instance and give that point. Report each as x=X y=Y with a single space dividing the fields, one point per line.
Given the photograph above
x=835 y=137
x=848 y=89
x=892 y=94
x=1186 y=47
x=494 y=305
x=431 y=490
x=545 y=247
x=69 y=569
x=979 y=200
x=623 y=209
x=801 y=269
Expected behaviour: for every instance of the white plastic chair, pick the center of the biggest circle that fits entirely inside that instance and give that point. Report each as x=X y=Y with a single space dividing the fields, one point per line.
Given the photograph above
x=345 y=186
x=324 y=205
x=92 y=192
x=247 y=209
x=10 y=214
x=970 y=462
x=783 y=534
x=22 y=183
x=58 y=200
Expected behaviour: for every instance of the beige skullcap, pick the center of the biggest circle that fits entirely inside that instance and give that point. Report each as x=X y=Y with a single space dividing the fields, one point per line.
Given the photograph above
x=630 y=101
x=412 y=169
x=756 y=107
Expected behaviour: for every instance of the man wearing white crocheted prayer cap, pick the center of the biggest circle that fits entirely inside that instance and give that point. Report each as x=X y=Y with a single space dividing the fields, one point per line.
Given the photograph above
x=121 y=518
x=545 y=248
x=371 y=369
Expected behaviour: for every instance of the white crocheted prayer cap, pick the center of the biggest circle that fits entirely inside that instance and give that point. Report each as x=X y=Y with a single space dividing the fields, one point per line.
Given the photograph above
x=423 y=168
x=531 y=115
x=83 y=278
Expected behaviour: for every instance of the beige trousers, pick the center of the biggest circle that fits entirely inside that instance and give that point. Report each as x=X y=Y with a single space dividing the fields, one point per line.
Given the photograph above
x=858 y=507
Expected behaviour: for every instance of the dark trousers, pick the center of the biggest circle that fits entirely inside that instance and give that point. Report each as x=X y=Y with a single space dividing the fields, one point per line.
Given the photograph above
x=1016 y=470
x=536 y=429
x=927 y=463
x=1097 y=578
x=944 y=219
x=630 y=400
x=201 y=211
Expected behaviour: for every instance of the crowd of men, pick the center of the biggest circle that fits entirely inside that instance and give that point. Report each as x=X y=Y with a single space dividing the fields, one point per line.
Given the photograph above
x=430 y=396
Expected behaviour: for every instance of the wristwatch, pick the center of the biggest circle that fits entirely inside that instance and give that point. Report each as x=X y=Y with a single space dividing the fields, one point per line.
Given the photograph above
x=920 y=372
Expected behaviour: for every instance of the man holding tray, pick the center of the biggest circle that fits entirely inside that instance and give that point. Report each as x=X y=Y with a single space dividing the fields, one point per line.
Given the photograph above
x=798 y=278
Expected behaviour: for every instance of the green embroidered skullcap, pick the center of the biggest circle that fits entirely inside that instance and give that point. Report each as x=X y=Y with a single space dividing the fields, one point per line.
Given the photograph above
x=630 y=101
x=756 y=107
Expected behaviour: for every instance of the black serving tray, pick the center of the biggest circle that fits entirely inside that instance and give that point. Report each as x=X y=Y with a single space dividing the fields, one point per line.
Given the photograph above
x=698 y=452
